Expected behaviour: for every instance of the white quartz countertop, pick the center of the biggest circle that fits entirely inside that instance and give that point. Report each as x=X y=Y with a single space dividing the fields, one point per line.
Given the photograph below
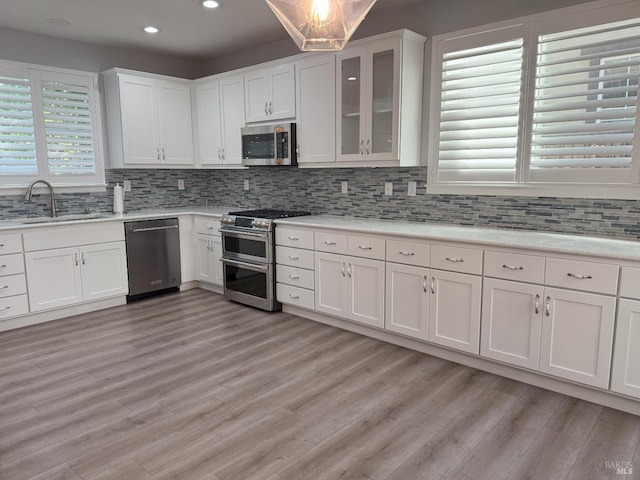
x=549 y=242
x=39 y=222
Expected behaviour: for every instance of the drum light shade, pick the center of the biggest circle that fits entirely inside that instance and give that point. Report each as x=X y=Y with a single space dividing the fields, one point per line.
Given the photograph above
x=317 y=25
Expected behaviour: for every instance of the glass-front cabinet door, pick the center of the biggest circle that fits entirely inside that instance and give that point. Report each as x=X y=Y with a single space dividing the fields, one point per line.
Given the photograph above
x=368 y=99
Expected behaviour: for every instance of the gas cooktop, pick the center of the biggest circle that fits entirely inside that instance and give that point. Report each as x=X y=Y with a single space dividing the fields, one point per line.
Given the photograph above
x=261 y=219
x=269 y=214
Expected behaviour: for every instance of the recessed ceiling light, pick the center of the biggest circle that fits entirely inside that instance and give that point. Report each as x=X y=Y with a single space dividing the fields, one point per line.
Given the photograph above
x=210 y=3
x=151 y=29
x=352 y=78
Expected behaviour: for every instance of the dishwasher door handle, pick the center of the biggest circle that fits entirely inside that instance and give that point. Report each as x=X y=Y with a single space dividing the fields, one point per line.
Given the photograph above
x=152 y=229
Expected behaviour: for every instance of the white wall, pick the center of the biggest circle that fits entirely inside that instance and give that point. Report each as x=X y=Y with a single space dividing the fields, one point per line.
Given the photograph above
x=28 y=47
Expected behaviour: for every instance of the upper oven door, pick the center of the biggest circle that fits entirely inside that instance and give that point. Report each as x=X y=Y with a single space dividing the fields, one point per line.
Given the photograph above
x=251 y=246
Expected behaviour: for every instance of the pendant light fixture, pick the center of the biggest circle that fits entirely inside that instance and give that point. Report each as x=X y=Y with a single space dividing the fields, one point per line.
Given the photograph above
x=317 y=25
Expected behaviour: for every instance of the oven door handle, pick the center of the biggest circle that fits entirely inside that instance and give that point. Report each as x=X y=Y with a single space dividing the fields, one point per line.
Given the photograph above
x=249 y=266
x=234 y=233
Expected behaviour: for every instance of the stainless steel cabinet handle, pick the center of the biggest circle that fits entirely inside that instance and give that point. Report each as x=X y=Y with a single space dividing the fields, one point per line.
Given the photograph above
x=455 y=260
x=158 y=152
x=3 y=266
x=294 y=277
x=537 y=308
x=433 y=285
x=366 y=150
x=349 y=270
x=266 y=112
x=291 y=257
x=164 y=157
x=331 y=244
x=1 y=244
x=361 y=147
x=219 y=154
x=76 y=258
x=512 y=267
x=295 y=297
x=270 y=109
x=547 y=306
x=83 y=258
x=424 y=284
x=294 y=239
x=578 y=276
x=224 y=154
x=363 y=247
x=406 y=254
x=211 y=228
x=343 y=274
x=4 y=309
x=4 y=287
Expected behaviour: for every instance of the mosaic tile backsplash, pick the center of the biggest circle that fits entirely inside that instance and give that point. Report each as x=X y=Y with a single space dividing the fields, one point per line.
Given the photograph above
x=318 y=190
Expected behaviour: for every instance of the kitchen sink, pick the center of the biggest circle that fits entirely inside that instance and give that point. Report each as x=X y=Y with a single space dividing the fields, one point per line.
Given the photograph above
x=63 y=218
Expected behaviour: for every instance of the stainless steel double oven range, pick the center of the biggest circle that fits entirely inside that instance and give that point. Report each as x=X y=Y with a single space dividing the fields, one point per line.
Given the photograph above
x=248 y=256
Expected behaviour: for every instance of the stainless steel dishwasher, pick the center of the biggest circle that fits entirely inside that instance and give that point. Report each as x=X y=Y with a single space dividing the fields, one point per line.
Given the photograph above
x=153 y=256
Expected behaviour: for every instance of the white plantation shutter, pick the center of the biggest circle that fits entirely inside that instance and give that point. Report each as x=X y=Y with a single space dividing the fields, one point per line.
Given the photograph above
x=17 y=137
x=68 y=122
x=586 y=96
x=480 y=105
x=49 y=126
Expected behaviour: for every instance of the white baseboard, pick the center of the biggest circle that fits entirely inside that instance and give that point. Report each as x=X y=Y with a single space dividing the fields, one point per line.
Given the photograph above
x=41 y=317
x=590 y=394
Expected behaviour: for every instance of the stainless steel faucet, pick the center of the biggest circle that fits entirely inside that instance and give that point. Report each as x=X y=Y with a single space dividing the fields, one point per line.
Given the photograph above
x=28 y=193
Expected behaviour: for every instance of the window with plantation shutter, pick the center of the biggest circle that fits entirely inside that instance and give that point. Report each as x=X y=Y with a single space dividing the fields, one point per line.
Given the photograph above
x=49 y=126
x=480 y=98
x=17 y=137
x=549 y=101
x=586 y=95
x=68 y=124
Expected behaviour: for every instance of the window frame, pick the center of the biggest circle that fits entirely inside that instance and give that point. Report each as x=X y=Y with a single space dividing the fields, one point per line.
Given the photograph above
x=554 y=21
x=36 y=74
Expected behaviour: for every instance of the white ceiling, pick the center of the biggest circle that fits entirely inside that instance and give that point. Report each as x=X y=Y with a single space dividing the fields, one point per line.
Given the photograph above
x=187 y=29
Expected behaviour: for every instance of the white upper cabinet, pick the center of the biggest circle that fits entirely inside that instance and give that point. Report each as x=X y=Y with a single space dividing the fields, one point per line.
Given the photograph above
x=220 y=116
x=379 y=100
x=315 y=92
x=149 y=120
x=270 y=93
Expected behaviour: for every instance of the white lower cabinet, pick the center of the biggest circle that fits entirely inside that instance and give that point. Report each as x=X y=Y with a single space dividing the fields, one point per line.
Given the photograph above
x=625 y=375
x=454 y=311
x=407 y=302
x=350 y=287
x=208 y=255
x=577 y=336
x=67 y=276
x=512 y=322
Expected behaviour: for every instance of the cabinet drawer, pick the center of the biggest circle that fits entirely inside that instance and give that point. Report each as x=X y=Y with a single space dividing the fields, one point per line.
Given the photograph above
x=290 y=237
x=630 y=282
x=367 y=247
x=13 y=285
x=207 y=225
x=13 y=306
x=331 y=242
x=577 y=275
x=11 y=264
x=11 y=243
x=298 y=277
x=294 y=257
x=299 y=297
x=411 y=253
x=522 y=268
x=456 y=259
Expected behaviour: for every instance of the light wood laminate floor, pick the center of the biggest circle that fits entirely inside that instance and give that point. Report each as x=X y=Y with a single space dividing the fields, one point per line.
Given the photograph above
x=189 y=386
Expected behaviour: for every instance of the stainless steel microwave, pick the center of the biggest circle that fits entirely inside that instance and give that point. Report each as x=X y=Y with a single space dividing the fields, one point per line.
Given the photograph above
x=267 y=145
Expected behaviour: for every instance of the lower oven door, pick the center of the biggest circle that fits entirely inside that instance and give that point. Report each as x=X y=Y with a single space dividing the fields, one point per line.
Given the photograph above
x=250 y=283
